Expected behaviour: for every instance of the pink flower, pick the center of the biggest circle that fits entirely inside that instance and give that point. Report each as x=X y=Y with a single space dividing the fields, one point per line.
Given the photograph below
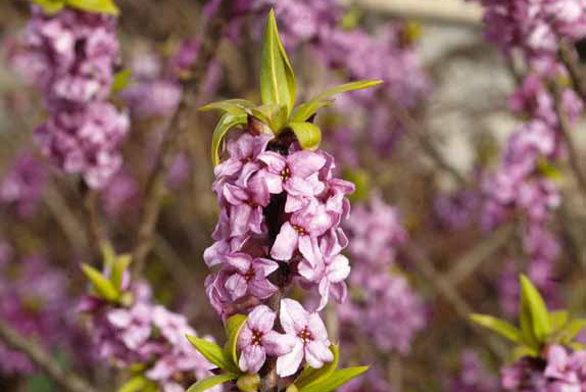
x=133 y=325
x=330 y=272
x=311 y=339
x=301 y=231
x=297 y=173
x=257 y=340
x=250 y=276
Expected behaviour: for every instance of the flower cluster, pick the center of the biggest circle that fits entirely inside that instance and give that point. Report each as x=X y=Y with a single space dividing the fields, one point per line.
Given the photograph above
x=281 y=209
x=534 y=26
x=145 y=333
x=71 y=56
x=560 y=370
x=22 y=187
x=473 y=376
x=386 y=309
x=33 y=295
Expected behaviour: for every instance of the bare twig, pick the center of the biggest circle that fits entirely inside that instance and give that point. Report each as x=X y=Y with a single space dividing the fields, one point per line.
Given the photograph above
x=578 y=78
x=461 y=307
x=96 y=232
x=68 y=380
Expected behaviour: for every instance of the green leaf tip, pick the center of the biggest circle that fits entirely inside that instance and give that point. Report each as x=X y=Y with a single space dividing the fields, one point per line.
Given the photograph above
x=532 y=304
x=335 y=380
x=213 y=353
x=96 y=6
x=102 y=286
x=499 y=326
x=210 y=382
x=277 y=79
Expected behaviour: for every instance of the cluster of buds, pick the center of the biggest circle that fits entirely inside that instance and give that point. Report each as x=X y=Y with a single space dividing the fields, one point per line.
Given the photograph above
x=71 y=56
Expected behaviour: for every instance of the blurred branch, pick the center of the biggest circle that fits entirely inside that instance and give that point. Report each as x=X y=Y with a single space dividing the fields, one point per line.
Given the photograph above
x=468 y=263
x=577 y=77
x=461 y=307
x=413 y=130
x=155 y=187
x=69 y=381
x=64 y=216
x=448 y=11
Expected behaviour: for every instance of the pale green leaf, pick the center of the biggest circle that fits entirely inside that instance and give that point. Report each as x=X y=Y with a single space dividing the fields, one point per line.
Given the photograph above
x=233 y=327
x=501 y=327
x=359 y=85
x=121 y=80
x=538 y=309
x=95 y=6
x=227 y=122
x=572 y=329
x=523 y=351
x=526 y=323
x=101 y=285
x=51 y=6
x=120 y=266
x=311 y=376
x=308 y=135
x=277 y=80
x=232 y=106
x=304 y=111
x=335 y=380
x=136 y=384
x=207 y=383
x=212 y=352
x=108 y=254
x=558 y=319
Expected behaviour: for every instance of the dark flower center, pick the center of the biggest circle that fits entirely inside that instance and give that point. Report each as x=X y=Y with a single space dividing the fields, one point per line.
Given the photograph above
x=305 y=335
x=300 y=230
x=285 y=173
x=256 y=338
x=249 y=274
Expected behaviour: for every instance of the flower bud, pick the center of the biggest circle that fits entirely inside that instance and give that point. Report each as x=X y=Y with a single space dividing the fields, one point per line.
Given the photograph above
x=248 y=383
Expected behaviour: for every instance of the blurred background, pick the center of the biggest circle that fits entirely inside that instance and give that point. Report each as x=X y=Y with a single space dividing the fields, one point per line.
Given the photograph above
x=419 y=149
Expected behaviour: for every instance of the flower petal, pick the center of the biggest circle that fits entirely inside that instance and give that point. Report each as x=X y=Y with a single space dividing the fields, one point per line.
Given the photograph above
x=289 y=363
x=285 y=243
x=316 y=353
x=293 y=317
x=261 y=319
x=252 y=359
x=278 y=344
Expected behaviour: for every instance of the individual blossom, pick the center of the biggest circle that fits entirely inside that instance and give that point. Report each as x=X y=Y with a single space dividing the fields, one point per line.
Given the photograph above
x=248 y=275
x=310 y=336
x=257 y=339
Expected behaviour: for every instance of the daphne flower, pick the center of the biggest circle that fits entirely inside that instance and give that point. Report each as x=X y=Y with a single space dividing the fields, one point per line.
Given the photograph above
x=250 y=276
x=301 y=232
x=257 y=340
x=311 y=339
x=246 y=207
x=133 y=325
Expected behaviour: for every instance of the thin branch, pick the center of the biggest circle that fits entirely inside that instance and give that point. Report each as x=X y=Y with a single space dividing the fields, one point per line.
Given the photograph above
x=68 y=380
x=443 y=287
x=577 y=77
x=65 y=217
x=413 y=130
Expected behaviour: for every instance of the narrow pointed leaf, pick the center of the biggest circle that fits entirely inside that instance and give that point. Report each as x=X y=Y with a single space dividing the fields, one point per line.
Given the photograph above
x=359 y=85
x=207 y=383
x=227 y=122
x=212 y=352
x=101 y=285
x=108 y=254
x=308 y=135
x=51 y=6
x=96 y=6
x=233 y=327
x=538 y=309
x=526 y=323
x=501 y=327
x=277 y=80
x=523 y=351
x=304 y=111
x=311 y=376
x=120 y=266
x=571 y=330
x=335 y=380
x=232 y=106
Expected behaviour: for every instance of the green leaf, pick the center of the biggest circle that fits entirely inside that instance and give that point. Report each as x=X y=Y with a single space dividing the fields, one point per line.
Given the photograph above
x=277 y=80
x=120 y=266
x=108 y=254
x=210 y=382
x=311 y=376
x=526 y=323
x=523 y=351
x=121 y=80
x=500 y=326
x=539 y=313
x=571 y=330
x=558 y=319
x=136 y=384
x=213 y=353
x=227 y=122
x=232 y=106
x=275 y=116
x=304 y=111
x=308 y=135
x=360 y=179
x=51 y=6
x=233 y=327
x=336 y=379
x=102 y=286
x=359 y=85
x=95 y=6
